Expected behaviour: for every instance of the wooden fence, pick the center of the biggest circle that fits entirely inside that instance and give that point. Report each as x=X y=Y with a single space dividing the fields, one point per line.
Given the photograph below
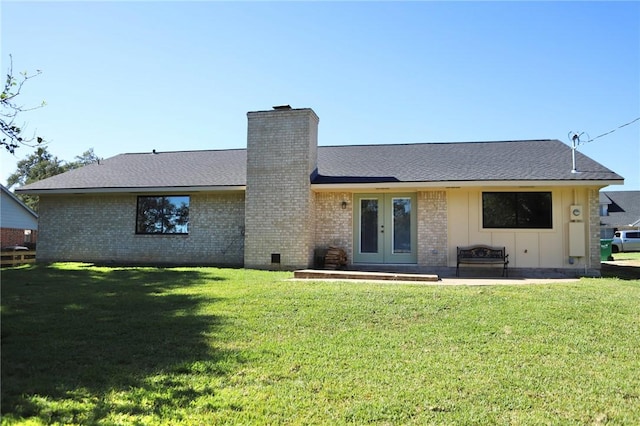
x=17 y=257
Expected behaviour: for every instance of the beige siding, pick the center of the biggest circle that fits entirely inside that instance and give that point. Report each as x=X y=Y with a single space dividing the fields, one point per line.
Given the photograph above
x=527 y=248
x=457 y=222
x=551 y=254
x=526 y=252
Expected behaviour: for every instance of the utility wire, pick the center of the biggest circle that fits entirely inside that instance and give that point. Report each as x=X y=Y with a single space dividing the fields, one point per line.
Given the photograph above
x=610 y=131
x=574 y=137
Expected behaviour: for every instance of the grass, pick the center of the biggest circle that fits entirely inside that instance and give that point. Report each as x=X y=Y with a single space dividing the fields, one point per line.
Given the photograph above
x=626 y=256
x=91 y=345
x=628 y=268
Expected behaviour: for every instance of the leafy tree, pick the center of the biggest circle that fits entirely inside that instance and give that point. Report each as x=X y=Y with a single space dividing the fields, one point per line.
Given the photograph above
x=41 y=165
x=87 y=157
x=12 y=133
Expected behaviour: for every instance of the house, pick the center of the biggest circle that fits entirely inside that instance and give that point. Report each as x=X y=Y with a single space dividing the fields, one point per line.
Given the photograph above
x=619 y=210
x=18 y=223
x=275 y=203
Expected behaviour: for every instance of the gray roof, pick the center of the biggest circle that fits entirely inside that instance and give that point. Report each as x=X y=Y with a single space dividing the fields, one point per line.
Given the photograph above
x=532 y=160
x=623 y=206
x=179 y=169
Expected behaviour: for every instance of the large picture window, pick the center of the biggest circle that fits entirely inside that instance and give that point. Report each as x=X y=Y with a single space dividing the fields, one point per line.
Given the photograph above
x=525 y=210
x=163 y=215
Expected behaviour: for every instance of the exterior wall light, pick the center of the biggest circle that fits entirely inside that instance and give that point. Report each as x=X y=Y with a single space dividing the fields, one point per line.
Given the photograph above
x=344 y=205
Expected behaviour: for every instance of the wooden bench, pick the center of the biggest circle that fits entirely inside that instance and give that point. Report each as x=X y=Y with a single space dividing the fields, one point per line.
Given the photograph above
x=483 y=255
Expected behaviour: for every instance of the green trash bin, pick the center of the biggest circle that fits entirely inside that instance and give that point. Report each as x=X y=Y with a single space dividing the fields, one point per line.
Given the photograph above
x=605 y=249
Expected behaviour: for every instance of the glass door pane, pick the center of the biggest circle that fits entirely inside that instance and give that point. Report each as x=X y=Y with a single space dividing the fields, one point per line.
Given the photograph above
x=384 y=228
x=400 y=246
x=368 y=226
x=401 y=208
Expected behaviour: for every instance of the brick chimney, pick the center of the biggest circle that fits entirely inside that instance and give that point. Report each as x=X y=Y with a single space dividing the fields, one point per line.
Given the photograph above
x=281 y=158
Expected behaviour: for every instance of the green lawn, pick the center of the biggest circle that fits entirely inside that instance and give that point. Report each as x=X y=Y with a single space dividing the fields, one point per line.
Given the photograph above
x=90 y=345
x=627 y=256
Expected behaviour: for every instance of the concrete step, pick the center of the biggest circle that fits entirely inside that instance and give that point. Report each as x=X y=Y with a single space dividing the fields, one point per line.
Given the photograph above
x=320 y=274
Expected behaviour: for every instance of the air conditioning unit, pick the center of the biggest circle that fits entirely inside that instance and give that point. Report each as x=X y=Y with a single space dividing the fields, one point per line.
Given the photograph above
x=575 y=212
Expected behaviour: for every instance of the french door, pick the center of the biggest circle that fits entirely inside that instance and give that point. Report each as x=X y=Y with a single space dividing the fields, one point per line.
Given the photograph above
x=384 y=228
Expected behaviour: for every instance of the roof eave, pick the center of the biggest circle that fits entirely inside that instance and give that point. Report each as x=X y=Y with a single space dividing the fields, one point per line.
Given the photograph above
x=330 y=186
x=134 y=190
x=462 y=184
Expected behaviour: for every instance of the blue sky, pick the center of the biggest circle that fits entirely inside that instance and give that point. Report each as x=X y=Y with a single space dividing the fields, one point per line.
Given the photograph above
x=136 y=76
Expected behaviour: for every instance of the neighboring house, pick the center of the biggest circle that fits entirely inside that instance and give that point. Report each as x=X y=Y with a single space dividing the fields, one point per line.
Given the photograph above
x=619 y=210
x=275 y=203
x=18 y=223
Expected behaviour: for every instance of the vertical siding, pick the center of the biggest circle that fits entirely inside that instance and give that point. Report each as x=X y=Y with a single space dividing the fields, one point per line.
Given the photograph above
x=527 y=248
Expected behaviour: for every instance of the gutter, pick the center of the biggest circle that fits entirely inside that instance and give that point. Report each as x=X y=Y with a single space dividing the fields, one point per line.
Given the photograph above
x=462 y=184
x=369 y=186
x=134 y=190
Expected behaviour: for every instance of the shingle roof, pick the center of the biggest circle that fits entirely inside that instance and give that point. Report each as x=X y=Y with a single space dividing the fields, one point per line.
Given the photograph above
x=155 y=170
x=623 y=206
x=533 y=160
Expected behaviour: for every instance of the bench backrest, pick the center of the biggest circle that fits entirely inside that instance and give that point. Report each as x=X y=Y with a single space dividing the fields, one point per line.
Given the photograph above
x=481 y=252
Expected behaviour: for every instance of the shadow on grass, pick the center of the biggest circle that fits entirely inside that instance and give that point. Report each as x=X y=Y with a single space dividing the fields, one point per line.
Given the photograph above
x=83 y=335
x=623 y=272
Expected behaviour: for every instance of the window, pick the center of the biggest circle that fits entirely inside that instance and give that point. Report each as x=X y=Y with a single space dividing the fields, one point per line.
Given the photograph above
x=524 y=210
x=604 y=210
x=163 y=215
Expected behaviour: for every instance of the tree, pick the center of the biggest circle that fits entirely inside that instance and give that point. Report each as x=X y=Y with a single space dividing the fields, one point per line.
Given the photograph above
x=86 y=158
x=12 y=133
x=41 y=165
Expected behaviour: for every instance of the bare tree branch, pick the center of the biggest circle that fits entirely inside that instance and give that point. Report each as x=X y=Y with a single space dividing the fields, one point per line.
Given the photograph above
x=12 y=134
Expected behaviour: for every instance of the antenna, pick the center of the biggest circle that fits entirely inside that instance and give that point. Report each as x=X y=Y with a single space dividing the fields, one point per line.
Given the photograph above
x=575 y=141
x=574 y=137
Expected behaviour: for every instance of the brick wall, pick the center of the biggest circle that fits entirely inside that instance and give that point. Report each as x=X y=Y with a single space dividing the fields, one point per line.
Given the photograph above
x=16 y=237
x=594 y=230
x=281 y=155
x=333 y=224
x=432 y=228
x=101 y=228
